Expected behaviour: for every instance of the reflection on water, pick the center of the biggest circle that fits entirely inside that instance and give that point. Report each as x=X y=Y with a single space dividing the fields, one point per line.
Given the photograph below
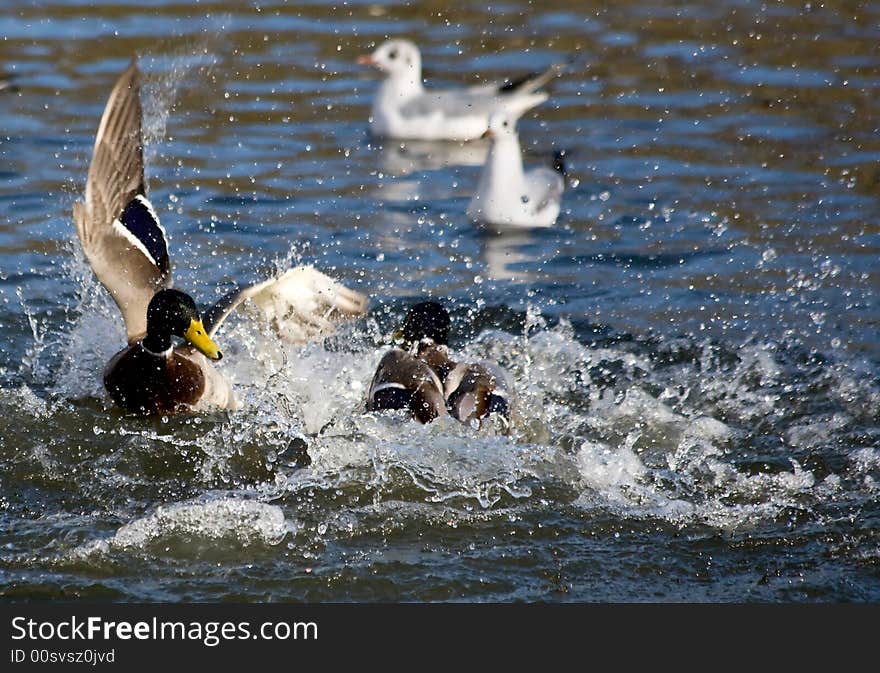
x=510 y=255
x=402 y=158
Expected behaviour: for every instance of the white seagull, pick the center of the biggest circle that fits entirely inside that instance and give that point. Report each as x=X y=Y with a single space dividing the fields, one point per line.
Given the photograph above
x=506 y=194
x=404 y=109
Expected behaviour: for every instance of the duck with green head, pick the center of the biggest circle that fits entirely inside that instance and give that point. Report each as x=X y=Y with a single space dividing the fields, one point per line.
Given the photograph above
x=127 y=249
x=155 y=375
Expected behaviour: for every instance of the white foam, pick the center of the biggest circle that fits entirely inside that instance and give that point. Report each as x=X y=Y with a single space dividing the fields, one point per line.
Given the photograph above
x=94 y=338
x=650 y=445
x=609 y=470
x=232 y=520
x=866 y=459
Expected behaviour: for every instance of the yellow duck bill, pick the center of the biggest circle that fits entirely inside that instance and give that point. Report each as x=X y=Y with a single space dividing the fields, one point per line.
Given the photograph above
x=199 y=338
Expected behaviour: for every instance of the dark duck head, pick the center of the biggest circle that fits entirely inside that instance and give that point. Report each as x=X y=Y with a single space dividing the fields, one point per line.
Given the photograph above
x=174 y=313
x=425 y=334
x=426 y=320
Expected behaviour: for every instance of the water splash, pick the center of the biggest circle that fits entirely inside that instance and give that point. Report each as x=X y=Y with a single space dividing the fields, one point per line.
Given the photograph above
x=175 y=527
x=170 y=71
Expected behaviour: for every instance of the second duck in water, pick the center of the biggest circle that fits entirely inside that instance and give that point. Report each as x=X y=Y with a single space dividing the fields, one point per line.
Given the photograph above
x=422 y=377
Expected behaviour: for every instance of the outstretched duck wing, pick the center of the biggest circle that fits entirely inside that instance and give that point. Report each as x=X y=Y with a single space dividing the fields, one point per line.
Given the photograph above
x=302 y=304
x=117 y=226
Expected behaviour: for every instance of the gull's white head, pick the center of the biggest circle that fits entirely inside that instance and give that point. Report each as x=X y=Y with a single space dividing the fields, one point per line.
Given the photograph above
x=396 y=57
x=501 y=125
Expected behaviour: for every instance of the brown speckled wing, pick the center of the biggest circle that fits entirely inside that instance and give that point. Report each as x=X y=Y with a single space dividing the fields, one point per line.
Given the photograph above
x=119 y=231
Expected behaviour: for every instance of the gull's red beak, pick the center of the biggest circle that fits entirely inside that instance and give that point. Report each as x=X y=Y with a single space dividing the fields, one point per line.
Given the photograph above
x=366 y=59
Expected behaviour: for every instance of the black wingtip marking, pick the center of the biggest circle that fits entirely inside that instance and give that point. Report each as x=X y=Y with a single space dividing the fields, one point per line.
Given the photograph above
x=138 y=218
x=559 y=162
x=539 y=77
x=511 y=85
x=7 y=83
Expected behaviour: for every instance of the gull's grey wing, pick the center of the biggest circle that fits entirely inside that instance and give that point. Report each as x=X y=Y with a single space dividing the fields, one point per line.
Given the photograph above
x=118 y=228
x=545 y=186
x=450 y=103
x=464 y=104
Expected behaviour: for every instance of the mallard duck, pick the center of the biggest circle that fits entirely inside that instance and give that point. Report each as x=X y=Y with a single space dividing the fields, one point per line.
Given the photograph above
x=423 y=377
x=473 y=390
x=506 y=194
x=128 y=251
x=403 y=380
x=404 y=109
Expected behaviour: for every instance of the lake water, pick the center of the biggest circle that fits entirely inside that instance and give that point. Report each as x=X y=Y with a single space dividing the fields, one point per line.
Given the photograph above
x=694 y=344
